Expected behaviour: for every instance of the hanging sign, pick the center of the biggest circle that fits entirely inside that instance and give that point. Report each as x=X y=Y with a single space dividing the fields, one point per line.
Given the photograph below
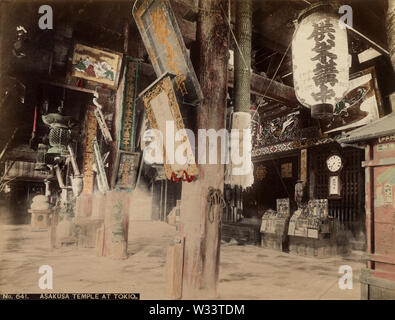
x=129 y=92
x=164 y=43
x=164 y=115
x=127 y=168
x=334 y=186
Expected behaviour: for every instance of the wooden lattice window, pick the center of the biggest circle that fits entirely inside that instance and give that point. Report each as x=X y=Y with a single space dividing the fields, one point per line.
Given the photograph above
x=350 y=208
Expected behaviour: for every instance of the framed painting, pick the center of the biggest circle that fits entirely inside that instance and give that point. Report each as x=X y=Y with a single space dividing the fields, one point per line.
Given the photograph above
x=96 y=65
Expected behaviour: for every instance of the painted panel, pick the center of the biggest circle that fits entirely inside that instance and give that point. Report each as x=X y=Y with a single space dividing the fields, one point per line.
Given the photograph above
x=96 y=65
x=360 y=106
x=278 y=130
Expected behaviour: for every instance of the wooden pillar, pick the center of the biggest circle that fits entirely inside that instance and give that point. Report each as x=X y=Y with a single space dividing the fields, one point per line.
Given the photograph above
x=113 y=237
x=202 y=237
x=390 y=26
x=165 y=202
x=3 y=8
x=243 y=56
x=369 y=209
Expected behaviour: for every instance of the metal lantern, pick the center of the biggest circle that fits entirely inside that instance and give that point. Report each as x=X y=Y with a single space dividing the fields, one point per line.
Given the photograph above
x=320 y=60
x=60 y=133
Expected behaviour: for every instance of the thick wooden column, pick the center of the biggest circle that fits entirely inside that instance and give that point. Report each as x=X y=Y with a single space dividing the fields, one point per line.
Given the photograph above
x=112 y=238
x=243 y=56
x=3 y=9
x=202 y=237
x=390 y=26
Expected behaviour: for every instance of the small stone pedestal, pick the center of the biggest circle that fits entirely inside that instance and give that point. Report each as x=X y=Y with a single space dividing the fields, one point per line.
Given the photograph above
x=40 y=219
x=40 y=210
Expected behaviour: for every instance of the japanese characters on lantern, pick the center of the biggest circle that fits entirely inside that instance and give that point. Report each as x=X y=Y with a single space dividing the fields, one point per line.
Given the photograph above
x=320 y=62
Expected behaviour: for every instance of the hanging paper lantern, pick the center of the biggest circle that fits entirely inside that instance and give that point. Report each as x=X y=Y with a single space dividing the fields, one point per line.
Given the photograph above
x=320 y=60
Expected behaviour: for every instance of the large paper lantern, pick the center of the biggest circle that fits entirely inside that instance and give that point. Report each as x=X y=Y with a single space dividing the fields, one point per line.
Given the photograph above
x=320 y=61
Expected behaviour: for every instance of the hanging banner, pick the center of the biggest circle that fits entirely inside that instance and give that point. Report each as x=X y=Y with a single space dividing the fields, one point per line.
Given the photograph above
x=128 y=117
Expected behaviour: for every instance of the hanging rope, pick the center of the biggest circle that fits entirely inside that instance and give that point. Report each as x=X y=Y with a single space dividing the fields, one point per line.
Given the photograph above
x=214 y=198
x=249 y=68
x=274 y=76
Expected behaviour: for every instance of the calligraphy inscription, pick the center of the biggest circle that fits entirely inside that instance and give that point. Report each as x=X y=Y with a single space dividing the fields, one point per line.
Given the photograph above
x=126 y=176
x=91 y=131
x=127 y=134
x=325 y=71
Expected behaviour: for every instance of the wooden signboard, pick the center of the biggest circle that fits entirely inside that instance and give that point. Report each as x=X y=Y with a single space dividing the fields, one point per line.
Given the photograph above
x=128 y=118
x=126 y=170
x=162 y=107
x=89 y=160
x=334 y=187
x=164 y=43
